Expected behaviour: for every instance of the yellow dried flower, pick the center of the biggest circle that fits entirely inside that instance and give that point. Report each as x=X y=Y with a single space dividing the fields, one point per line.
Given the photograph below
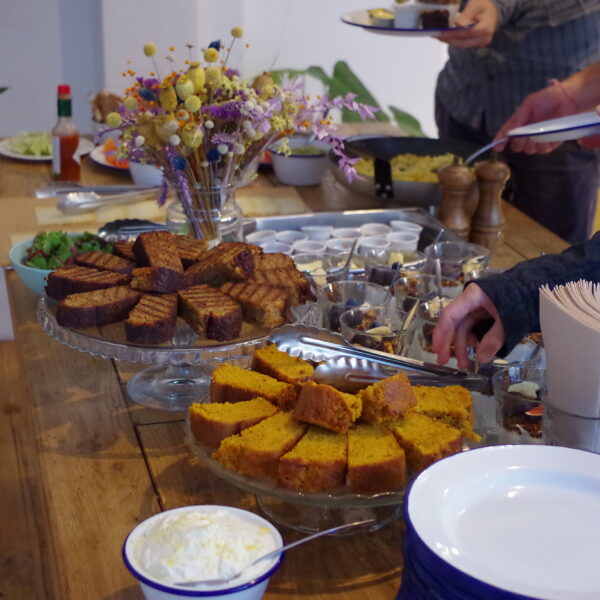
x=149 y=49
x=167 y=97
x=130 y=103
x=191 y=135
x=213 y=75
x=193 y=103
x=184 y=87
x=211 y=55
x=113 y=119
x=197 y=76
x=166 y=126
x=237 y=32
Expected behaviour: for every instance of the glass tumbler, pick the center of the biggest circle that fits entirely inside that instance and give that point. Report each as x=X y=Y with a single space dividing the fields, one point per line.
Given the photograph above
x=456 y=258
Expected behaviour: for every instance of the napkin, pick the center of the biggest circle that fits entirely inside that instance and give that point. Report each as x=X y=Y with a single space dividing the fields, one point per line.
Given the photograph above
x=570 y=320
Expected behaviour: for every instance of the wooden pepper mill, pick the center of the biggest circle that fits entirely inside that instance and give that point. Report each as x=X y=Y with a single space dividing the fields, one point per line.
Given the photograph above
x=487 y=223
x=456 y=182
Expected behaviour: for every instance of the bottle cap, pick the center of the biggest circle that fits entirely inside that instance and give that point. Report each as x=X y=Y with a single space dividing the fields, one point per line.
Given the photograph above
x=64 y=90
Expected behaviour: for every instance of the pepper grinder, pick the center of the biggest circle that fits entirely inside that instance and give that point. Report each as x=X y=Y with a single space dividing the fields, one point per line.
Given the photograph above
x=487 y=223
x=456 y=182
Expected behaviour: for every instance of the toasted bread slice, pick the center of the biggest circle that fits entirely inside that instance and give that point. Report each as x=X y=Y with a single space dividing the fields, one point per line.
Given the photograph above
x=190 y=249
x=210 y=312
x=124 y=250
x=226 y=262
x=273 y=260
x=156 y=279
x=98 y=307
x=153 y=319
x=262 y=304
x=291 y=280
x=75 y=279
x=105 y=262
x=157 y=249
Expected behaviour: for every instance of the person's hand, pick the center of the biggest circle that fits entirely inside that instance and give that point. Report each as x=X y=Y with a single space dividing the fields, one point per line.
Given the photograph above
x=550 y=103
x=592 y=141
x=483 y=16
x=455 y=325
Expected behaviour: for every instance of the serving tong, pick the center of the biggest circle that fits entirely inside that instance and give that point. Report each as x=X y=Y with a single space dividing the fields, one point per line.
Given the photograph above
x=353 y=367
x=61 y=188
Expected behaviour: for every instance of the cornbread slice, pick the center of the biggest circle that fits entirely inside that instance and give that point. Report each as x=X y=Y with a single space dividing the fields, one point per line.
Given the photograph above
x=210 y=312
x=317 y=463
x=451 y=404
x=99 y=307
x=291 y=280
x=261 y=304
x=75 y=279
x=273 y=260
x=157 y=251
x=386 y=399
x=234 y=384
x=225 y=262
x=153 y=319
x=212 y=423
x=104 y=261
x=124 y=250
x=190 y=249
x=376 y=463
x=256 y=451
x=280 y=365
x=424 y=440
x=156 y=279
x=321 y=404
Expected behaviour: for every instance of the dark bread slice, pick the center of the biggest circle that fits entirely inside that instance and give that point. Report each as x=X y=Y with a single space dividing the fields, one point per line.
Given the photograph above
x=262 y=304
x=105 y=262
x=75 y=279
x=156 y=279
x=273 y=260
x=211 y=313
x=225 y=262
x=153 y=319
x=124 y=250
x=290 y=279
x=99 y=307
x=190 y=249
x=157 y=249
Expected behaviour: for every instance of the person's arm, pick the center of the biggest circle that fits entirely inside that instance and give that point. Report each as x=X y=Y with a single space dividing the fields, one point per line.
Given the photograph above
x=508 y=304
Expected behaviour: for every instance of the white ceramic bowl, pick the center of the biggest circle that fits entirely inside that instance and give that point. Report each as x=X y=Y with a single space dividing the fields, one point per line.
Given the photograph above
x=262 y=236
x=371 y=229
x=300 y=169
x=346 y=232
x=249 y=587
x=271 y=246
x=318 y=233
x=34 y=279
x=289 y=236
x=309 y=246
x=145 y=174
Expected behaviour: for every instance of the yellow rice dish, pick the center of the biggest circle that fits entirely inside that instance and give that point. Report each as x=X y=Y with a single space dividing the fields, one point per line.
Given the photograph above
x=409 y=167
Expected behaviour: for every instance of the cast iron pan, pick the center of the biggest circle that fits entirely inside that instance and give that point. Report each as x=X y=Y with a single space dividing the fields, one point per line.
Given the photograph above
x=382 y=149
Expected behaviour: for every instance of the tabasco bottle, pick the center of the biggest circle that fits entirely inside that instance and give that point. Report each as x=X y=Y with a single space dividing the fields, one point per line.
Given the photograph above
x=65 y=140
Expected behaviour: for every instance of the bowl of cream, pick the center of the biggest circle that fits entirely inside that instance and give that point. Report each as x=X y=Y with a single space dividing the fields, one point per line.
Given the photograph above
x=195 y=543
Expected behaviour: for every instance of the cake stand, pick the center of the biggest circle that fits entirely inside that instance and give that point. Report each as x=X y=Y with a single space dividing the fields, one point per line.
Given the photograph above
x=180 y=371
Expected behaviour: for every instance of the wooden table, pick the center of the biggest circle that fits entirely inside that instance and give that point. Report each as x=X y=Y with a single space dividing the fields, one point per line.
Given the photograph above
x=81 y=465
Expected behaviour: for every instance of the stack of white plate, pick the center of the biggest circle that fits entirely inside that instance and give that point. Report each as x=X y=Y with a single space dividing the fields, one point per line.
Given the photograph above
x=504 y=523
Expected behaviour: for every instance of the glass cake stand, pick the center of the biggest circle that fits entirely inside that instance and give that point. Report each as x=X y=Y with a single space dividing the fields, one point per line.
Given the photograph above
x=180 y=370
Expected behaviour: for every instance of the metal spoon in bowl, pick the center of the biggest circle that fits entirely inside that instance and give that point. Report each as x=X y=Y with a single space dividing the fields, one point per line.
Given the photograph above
x=483 y=149
x=277 y=552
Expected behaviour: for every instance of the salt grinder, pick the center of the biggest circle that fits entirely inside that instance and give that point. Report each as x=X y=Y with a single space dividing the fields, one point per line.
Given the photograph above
x=487 y=223
x=456 y=182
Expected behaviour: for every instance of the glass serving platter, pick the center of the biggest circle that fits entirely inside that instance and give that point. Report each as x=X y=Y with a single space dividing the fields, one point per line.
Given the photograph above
x=180 y=370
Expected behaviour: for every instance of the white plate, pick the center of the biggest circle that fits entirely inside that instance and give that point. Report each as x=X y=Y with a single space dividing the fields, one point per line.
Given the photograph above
x=360 y=18
x=561 y=129
x=85 y=147
x=521 y=518
x=98 y=156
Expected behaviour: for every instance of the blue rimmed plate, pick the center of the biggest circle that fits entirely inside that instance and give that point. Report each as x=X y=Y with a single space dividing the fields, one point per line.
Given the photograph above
x=559 y=130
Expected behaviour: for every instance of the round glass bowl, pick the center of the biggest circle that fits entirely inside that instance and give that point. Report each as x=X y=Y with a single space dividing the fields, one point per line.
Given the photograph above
x=457 y=258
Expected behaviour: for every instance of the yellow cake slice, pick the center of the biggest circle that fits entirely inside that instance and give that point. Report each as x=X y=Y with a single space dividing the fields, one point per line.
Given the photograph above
x=280 y=365
x=387 y=399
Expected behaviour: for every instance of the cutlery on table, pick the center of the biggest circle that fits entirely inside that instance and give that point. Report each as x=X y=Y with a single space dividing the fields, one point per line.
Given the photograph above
x=82 y=202
x=60 y=188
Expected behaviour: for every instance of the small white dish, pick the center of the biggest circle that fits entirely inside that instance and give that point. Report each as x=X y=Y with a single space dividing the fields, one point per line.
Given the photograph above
x=145 y=174
x=309 y=246
x=371 y=229
x=271 y=246
x=558 y=130
x=378 y=242
x=398 y=225
x=98 y=156
x=515 y=517
x=403 y=240
x=406 y=15
x=339 y=244
x=317 y=232
x=346 y=232
x=261 y=236
x=289 y=236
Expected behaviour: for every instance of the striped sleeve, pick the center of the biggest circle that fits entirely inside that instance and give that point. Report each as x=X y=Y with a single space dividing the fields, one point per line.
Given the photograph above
x=531 y=14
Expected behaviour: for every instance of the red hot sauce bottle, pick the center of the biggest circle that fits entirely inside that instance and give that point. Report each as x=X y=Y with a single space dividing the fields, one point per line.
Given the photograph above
x=65 y=140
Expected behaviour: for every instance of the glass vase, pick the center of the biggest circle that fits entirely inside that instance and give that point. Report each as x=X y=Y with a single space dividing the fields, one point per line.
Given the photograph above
x=205 y=220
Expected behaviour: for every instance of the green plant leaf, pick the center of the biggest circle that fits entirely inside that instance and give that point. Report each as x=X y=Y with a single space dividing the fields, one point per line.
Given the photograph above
x=3 y=89
x=344 y=80
x=407 y=122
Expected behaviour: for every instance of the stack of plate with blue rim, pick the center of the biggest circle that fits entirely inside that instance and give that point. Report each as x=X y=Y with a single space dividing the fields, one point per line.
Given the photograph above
x=504 y=523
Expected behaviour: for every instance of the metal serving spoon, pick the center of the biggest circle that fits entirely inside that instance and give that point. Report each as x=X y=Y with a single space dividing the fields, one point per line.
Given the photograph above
x=485 y=148
x=277 y=552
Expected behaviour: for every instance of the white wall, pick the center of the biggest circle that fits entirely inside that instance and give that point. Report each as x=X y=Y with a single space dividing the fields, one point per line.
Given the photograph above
x=88 y=43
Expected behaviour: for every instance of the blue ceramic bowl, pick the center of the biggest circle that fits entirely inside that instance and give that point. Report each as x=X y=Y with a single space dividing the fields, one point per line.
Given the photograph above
x=34 y=279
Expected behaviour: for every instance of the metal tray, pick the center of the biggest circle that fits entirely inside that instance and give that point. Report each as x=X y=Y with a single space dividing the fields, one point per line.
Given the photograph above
x=432 y=228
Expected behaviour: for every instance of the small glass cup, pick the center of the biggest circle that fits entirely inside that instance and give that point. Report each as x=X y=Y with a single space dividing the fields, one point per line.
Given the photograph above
x=322 y=268
x=374 y=327
x=456 y=258
x=394 y=263
x=421 y=287
x=518 y=390
x=421 y=329
x=337 y=297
